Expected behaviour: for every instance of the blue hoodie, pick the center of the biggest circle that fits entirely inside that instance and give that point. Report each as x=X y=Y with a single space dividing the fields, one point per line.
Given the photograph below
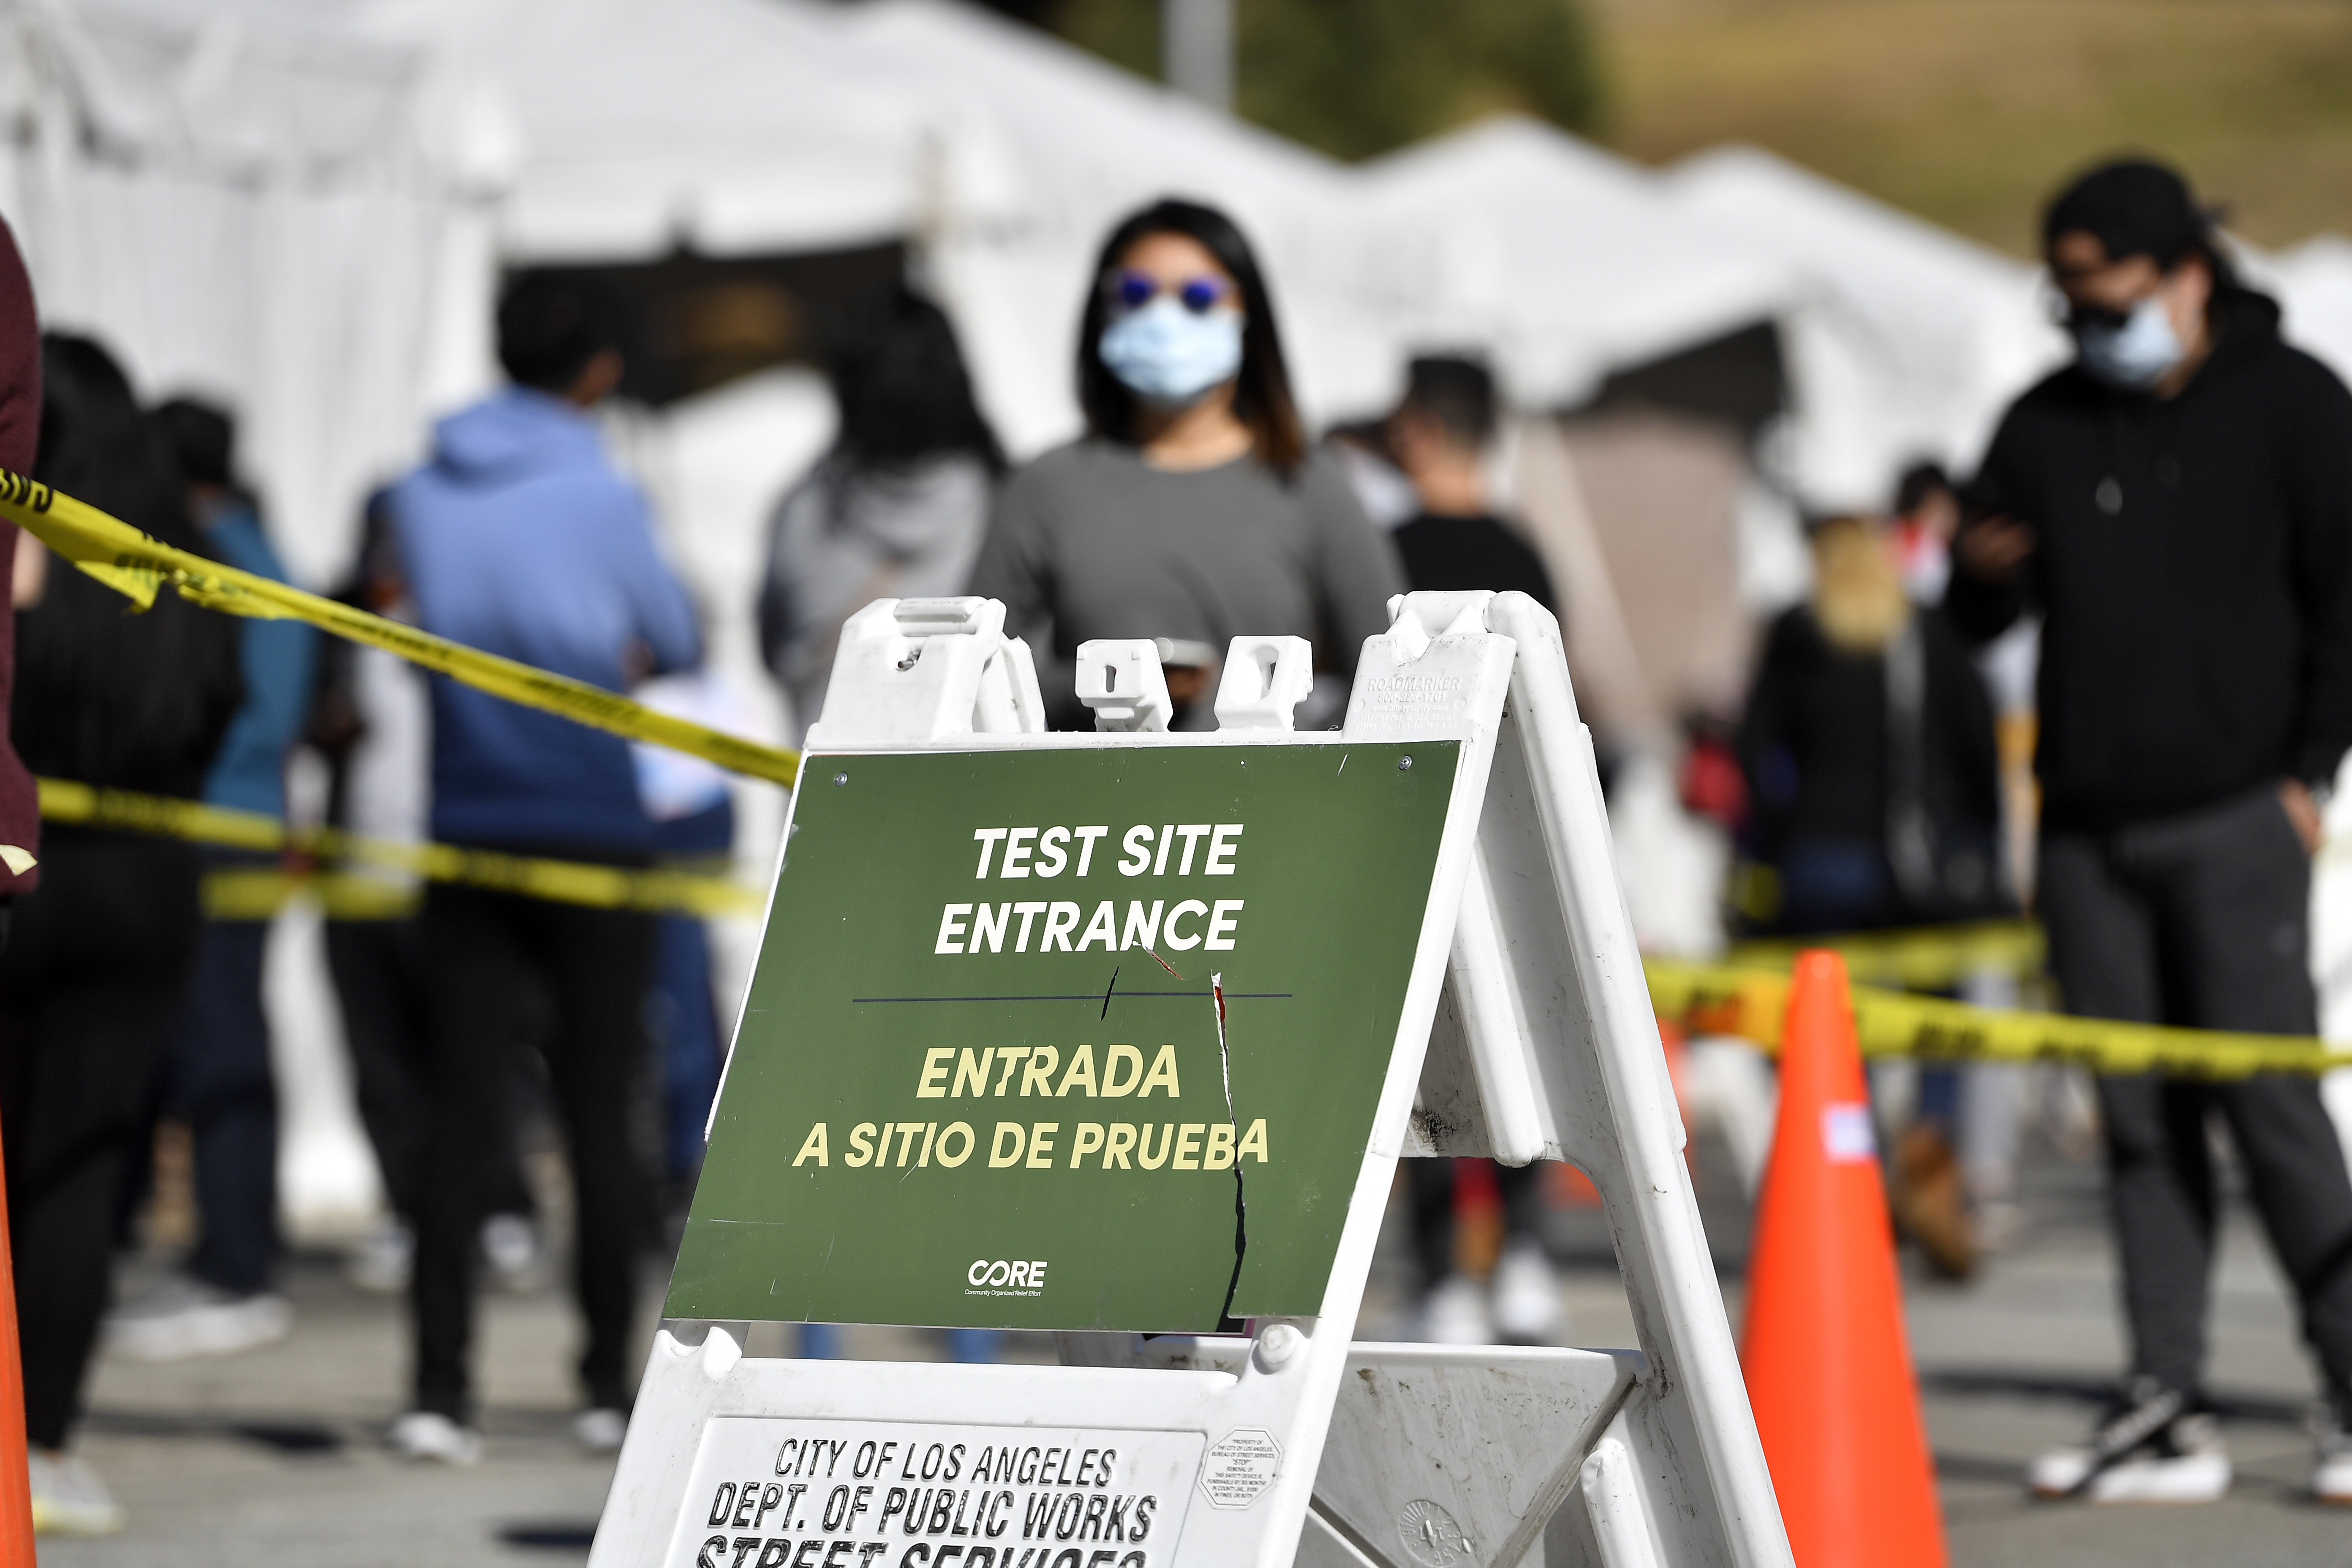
x=248 y=772
x=518 y=538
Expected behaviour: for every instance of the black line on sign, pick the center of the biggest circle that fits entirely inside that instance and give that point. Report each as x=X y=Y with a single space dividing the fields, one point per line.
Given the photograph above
x=1089 y=996
x=1108 y=989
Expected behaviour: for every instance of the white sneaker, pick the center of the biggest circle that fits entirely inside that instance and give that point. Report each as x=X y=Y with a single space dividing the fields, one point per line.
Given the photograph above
x=380 y=1262
x=67 y=1497
x=511 y=1245
x=600 y=1430
x=1456 y=1314
x=183 y=1318
x=1526 y=1295
x=2153 y=1448
x=2331 y=1474
x=427 y=1435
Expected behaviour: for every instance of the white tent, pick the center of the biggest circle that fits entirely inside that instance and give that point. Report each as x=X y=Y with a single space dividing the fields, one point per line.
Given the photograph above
x=254 y=217
x=2312 y=283
x=1910 y=341
x=1561 y=261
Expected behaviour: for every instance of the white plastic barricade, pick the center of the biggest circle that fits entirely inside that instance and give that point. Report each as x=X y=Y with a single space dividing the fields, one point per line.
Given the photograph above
x=1120 y=1035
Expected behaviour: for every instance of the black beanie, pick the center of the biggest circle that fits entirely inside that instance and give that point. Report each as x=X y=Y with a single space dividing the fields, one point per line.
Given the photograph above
x=2134 y=207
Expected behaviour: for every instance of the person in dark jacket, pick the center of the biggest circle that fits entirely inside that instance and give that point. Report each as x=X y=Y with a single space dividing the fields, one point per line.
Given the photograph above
x=97 y=966
x=1442 y=436
x=219 y=1078
x=1867 y=745
x=1868 y=750
x=2177 y=504
x=518 y=538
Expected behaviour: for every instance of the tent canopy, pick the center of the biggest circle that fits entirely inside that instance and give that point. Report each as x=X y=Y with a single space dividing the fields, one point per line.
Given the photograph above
x=622 y=131
x=246 y=214
x=1563 y=262
x=1910 y=340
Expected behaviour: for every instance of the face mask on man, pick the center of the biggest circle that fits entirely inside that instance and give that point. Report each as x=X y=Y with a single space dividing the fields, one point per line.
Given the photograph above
x=1170 y=354
x=2133 y=352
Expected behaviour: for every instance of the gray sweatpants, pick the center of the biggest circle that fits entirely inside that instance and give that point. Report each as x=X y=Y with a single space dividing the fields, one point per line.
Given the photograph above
x=2200 y=920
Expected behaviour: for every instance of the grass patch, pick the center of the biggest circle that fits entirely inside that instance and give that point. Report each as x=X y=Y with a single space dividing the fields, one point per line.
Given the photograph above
x=1969 y=113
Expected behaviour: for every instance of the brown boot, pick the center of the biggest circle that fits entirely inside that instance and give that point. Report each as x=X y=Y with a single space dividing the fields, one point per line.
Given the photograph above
x=1930 y=1201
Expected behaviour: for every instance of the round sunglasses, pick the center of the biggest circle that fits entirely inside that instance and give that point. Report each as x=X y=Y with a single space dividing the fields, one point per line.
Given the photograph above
x=1133 y=290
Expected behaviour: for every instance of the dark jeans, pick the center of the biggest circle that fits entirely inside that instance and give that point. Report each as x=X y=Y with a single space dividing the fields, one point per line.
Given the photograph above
x=220 y=1079
x=1431 y=1185
x=483 y=953
x=2199 y=921
x=94 y=976
x=685 y=1026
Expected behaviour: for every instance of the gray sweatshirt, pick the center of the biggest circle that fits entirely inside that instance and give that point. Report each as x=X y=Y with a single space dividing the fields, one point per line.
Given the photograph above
x=1090 y=541
x=839 y=541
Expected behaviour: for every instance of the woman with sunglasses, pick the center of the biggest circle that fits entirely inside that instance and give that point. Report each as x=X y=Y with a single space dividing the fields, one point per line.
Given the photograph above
x=1193 y=507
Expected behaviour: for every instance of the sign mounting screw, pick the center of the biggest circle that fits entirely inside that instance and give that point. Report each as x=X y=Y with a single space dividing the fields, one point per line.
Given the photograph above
x=1404 y=765
x=840 y=779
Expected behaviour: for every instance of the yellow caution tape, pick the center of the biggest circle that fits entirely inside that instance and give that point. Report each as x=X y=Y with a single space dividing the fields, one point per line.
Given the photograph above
x=140 y=566
x=257 y=892
x=1717 y=1000
x=1919 y=958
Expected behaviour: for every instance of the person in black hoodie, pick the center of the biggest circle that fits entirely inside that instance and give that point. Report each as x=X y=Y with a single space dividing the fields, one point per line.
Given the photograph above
x=2177 y=504
x=99 y=956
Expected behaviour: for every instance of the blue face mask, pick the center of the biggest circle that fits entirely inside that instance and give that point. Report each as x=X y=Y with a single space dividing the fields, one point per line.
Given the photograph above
x=2133 y=353
x=1169 y=354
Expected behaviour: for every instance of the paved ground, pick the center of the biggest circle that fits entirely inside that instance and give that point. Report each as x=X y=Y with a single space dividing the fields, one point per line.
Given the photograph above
x=274 y=1458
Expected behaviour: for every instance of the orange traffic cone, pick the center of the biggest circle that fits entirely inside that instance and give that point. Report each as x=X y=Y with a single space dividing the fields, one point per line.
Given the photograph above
x=1829 y=1372
x=15 y=1484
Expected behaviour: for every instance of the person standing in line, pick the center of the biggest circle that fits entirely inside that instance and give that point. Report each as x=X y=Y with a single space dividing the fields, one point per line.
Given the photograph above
x=219 y=1075
x=896 y=510
x=1193 y=507
x=20 y=429
x=372 y=722
x=2177 y=504
x=518 y=538
x=1868 y=751
x=1442 y=436
x=98 y=962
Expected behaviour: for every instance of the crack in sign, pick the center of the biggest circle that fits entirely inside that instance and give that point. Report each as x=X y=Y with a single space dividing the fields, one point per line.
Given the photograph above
x=1225 y=1323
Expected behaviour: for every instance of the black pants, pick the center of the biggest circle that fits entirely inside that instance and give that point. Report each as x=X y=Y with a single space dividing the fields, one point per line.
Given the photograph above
x=1430 y=1186
x=2199 y=921
x=378 y=965
x=483 y=952
x=92 y=980
x=222 y=1082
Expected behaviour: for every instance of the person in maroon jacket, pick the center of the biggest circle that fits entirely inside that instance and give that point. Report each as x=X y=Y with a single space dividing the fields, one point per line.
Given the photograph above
x=20 y=434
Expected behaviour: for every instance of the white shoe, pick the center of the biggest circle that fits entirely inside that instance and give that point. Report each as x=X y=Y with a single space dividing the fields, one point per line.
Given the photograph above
x=380 y=1262
x=427 y=1435
x=2331 y=1474
x=511 y=1245
x=69 y=1498
x=183 y=1318
x=2153 y=1448
x=600 y=1431
x=1526 y=1295
x=1456 y=1314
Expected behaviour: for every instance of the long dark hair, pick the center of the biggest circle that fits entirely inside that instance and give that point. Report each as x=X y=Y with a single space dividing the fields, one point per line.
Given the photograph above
x=899 y=378
x=103 y=695
x=1262 y=391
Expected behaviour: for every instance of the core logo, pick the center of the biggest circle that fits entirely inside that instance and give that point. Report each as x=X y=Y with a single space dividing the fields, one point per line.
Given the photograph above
x=1001 y=1277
